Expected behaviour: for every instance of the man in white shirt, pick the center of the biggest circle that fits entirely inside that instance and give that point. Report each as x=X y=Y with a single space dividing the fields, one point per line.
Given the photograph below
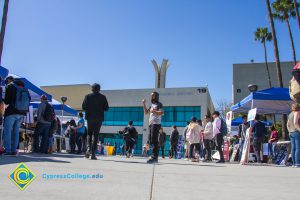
x=208 y=136
x=217 y=125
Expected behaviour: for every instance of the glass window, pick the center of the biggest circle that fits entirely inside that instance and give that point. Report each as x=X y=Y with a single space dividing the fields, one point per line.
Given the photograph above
x=119 y=116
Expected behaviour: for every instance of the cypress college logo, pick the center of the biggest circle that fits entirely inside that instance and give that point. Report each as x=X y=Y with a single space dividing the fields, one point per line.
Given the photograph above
x=22 y=176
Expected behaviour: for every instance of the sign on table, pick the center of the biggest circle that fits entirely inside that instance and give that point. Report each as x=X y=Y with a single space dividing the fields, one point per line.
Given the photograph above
x=251 y=114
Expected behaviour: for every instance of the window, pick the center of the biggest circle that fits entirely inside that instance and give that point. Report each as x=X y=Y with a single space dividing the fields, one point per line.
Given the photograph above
x=180 y=115
x=119 y=116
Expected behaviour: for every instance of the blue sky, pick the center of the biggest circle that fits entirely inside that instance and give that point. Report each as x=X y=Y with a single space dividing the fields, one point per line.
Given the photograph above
x=54 y=42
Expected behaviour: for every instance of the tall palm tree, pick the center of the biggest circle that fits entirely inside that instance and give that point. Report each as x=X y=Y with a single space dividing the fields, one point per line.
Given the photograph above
x=278 y=68
x=296 y=5
x=283 y=11
x=263 y=35
x=3 y=26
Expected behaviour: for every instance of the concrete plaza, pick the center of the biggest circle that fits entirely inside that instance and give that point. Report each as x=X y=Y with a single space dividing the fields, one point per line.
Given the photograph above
x=135 y=180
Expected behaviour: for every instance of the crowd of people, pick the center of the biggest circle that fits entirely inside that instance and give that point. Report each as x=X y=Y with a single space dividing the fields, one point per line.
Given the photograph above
x=82 y=136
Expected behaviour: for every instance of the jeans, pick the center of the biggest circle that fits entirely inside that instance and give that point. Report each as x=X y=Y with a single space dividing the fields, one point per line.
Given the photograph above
x=162 y=151
x=79 y=141
x=94 y=127
x=272 y=151
x=201 y=150
x=197 y=147
x=73 y=142
x=207 y=150
x=295 y=142
x=257 y=142
x=219 y=143
x=42 y=131
x=12 y=124
x=153 y=137
x=50 y=141
x=173 y=151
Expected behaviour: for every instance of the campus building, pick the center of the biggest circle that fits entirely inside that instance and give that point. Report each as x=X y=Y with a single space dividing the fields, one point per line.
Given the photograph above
x=180 y=104
x=256 y=73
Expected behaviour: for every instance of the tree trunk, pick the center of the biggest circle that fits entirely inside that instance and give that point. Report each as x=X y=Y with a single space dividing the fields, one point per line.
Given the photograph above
x=276 y=52
x=267 y=66
x=3 y=26
x=297 y=13
x=292 y=40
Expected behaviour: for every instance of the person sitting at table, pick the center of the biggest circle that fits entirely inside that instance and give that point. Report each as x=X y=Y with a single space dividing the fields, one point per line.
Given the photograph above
x=272 y=141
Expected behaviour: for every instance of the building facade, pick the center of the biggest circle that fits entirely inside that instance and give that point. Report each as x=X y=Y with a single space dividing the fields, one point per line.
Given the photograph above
x=180 y=104
x=256 y=73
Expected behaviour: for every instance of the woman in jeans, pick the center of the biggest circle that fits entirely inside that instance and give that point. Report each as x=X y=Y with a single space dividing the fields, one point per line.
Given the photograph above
x=294 y=130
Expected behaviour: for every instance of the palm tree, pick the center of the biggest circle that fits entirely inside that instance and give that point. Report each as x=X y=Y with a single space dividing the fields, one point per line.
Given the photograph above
x=276 y=52
x=283 y=11
x=263 y=35
x=296 y=5
x=3 y=26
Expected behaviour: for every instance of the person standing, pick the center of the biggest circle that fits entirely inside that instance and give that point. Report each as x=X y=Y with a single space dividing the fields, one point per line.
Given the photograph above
x=201 y=152
x=242 y=134
x=94 y=105
x=174 y=142
x=17 y=98
x=80 y=129
x=155 y=112
x=294 y=131
x=130 y=136
x=257 y=131
x=272 y=141
x=217 y=135
x=193 y=137
x=207 y=136
x=186 y=143
x=45 y=116
x=162 y=138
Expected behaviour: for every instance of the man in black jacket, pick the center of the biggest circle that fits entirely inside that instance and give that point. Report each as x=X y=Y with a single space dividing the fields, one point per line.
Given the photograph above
x=12 y=117
x=130 y=136
x=173 y=142
x=162 y=138
x=94 y=105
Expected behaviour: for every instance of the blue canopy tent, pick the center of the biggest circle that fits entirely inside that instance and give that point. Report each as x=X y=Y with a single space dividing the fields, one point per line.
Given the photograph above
x=3 y=72
x=268 y=101
x=35 y=91
x=239 y=120
x=68 y=111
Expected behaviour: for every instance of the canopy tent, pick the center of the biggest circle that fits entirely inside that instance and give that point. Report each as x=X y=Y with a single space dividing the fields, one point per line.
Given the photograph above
x=58 y=107
x=35 y=91
x=3 y=72
x=268 y=101
x=239 y=120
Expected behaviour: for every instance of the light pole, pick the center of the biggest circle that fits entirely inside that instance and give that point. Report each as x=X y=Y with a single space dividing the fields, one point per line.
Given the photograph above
x=63 y=100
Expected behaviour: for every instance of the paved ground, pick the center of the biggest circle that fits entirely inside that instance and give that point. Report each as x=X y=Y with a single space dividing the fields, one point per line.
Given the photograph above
x=133 y=179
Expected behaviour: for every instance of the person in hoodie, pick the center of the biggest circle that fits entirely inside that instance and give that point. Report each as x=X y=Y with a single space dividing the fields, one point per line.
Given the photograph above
x=193 y=137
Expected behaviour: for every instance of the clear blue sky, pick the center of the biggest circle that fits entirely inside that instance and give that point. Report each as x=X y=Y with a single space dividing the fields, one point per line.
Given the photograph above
x=53 y=42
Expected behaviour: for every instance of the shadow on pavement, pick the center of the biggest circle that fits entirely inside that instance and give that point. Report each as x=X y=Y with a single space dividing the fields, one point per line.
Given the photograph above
x=26 y=157
x=163 y=163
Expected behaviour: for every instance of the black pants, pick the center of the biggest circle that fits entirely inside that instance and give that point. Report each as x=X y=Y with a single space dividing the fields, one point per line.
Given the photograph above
x=162 y=151
x=257 y=142
x=129 y=145
x=79 y=143
x=173 y=150
x=153 y=137
x=72 y=142
x=84 y=143
x=58 y=144
x=207 y=150
x=93 y=136
x=197 y=147
x=219 y=143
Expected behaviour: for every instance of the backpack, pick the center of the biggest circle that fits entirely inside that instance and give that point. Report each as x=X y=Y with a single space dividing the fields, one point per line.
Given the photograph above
x=22 y=100
x=49 y=114
x=224 y=129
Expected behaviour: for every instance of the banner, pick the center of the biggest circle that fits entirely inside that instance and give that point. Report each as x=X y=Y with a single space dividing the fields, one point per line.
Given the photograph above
x=226 y=150
x=246 y=148
x=229 y=120
x=251 y=114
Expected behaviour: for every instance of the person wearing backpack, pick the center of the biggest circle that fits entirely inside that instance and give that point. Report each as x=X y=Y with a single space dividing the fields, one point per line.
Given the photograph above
x=130 y=136
x=257 y=131
x=17 y=98
x=174 y=142
x=45 y=116
x=218 y=135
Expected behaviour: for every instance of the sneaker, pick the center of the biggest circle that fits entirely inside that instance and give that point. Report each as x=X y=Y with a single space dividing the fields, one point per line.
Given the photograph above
x=6 y=154
x=220 y=162
x=152 y=161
